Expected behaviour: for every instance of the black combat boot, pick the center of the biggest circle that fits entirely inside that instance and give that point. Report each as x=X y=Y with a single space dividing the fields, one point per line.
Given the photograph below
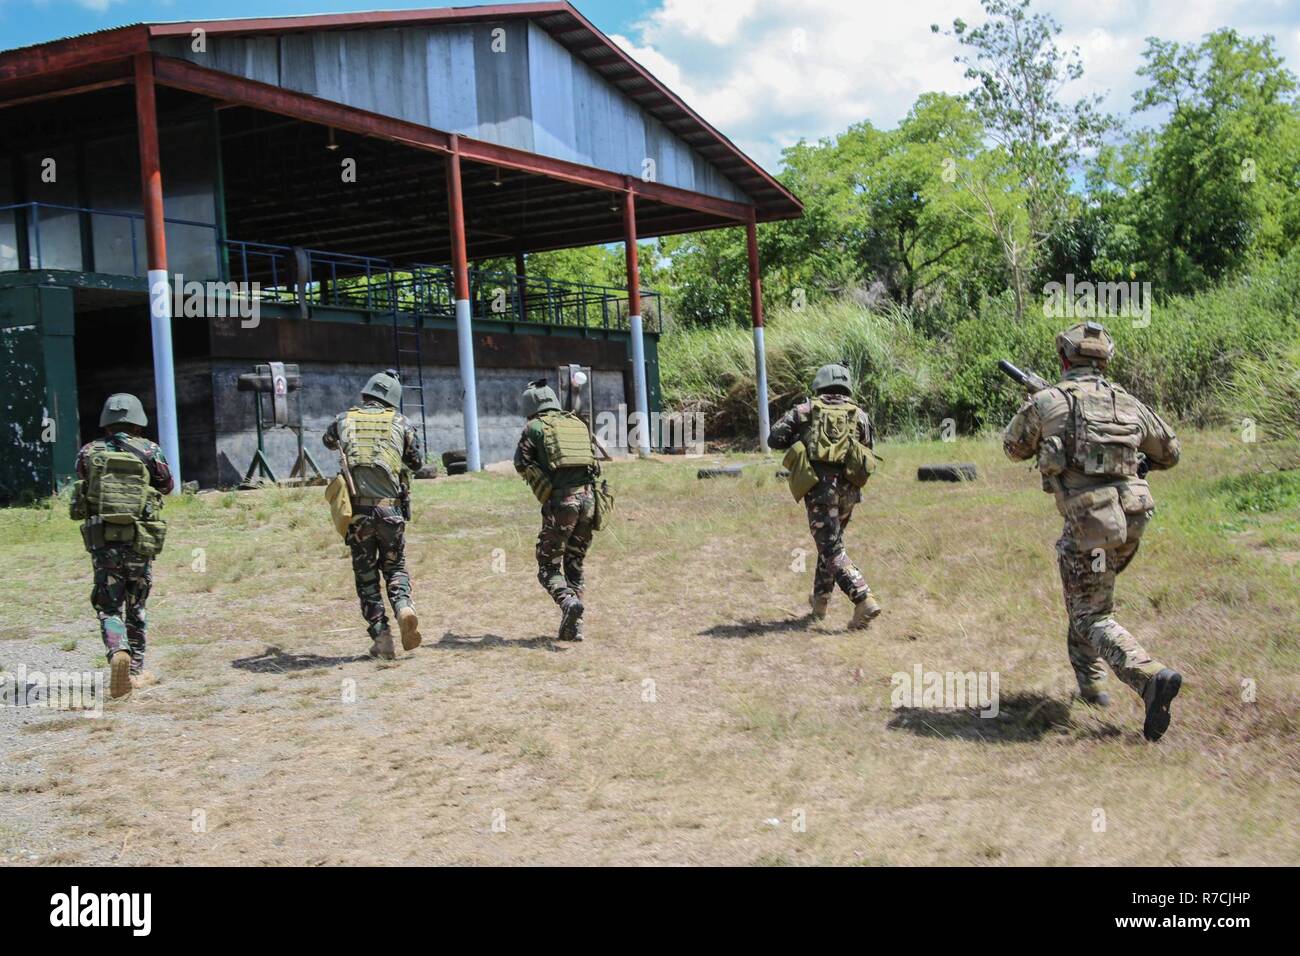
x=571 y=622
x=1160 y=692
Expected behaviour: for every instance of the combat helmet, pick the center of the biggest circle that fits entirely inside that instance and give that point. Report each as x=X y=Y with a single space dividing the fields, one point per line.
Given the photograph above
x=540 y=397
x=1087 y=343
x=833 y=378
x=384 y=387
x=122 y=408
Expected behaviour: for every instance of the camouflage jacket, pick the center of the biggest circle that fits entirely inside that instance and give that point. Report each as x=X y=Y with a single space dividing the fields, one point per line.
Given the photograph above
x=412 y=454
x=160 y=473
x=1047 y=413
x=528 y=454
x=793 y=425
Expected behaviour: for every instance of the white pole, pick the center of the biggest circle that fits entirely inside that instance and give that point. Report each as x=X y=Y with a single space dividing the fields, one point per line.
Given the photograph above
x=760 y=365
x=638 y=377
x=465 y=344
x=164 y=372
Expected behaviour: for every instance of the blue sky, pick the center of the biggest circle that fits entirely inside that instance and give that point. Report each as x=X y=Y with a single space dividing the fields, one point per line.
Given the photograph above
x=770 y=72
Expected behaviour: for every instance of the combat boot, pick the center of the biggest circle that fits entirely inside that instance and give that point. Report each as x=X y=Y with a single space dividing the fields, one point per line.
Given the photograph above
x=1160 y=692
x=864 y=612
x=119 y=674
x=382 y=648
x=409 y=623
x=819 y=604
x=571 y=621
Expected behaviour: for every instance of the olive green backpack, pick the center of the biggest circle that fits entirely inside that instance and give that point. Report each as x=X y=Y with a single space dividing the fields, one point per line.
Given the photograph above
x=117 y=502
x=566 y=443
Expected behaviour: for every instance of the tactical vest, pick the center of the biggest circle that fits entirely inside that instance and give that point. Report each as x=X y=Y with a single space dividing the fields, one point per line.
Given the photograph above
x=373 y=440
x=566 y=443
x=832 y=432
x=1103 y=431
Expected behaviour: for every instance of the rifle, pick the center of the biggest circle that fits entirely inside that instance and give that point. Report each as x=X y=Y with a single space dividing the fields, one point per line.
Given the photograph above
x=1028 y=380
x=346 y=471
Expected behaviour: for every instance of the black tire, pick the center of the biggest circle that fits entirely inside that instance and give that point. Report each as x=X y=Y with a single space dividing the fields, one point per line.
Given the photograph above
x=453 y=462
x=961 y=471
x=726 y=471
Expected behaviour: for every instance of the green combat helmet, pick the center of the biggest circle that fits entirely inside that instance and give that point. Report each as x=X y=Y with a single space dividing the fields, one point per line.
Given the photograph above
x=122 y=408
x=538 y=398
x=384 y=387
x=833 y=378
x=1086 y=343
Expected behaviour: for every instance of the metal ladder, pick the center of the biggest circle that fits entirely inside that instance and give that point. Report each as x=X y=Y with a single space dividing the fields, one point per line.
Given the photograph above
x=407 y=344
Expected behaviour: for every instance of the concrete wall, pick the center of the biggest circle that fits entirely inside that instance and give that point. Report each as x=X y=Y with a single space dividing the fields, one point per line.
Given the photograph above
x=332 y=387
x=509 y=83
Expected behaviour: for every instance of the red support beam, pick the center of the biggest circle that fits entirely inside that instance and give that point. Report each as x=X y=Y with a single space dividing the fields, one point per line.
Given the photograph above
x=456 y=212
x=755 y=276
x=629 y=248
x=151 y=189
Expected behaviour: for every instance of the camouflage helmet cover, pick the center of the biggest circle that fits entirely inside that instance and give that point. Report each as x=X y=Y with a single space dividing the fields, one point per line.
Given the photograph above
x=540 y=397
x=1086 y=343
x=384 y=387
x=833 y=378
x=123 y=408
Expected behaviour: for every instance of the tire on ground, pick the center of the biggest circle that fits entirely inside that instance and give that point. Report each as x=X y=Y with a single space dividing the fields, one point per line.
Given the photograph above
x=960 y=471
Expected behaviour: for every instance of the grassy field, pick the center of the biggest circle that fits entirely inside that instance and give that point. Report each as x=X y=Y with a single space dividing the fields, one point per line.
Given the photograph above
x=704 y=720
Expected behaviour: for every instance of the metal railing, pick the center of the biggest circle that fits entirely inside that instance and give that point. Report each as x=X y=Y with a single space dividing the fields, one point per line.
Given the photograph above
x=26 y=220
x=288 y=274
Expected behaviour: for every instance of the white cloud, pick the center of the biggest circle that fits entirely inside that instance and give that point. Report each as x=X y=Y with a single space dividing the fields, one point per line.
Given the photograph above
x=767 y=72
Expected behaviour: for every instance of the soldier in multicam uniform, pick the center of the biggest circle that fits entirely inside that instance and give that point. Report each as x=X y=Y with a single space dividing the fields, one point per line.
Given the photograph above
x=123 y=575
x=380 y=450
x=1090 y=437
x=830 y=502
x=557 y=458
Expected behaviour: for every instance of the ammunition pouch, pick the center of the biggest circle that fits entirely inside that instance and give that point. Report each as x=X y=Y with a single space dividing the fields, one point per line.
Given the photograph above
x=859 y=464
x=1135 y=497
x=149 y=538
x=98 y=533
x=340 y=502
x=604 y=506
x=540 y=482
x=1094 y=518
x=802 y=476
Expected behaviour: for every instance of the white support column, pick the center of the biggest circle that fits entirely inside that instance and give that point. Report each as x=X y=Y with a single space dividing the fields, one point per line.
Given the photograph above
x=638 y=377
x=465 y=346
x=164 y=373
x=760 y=364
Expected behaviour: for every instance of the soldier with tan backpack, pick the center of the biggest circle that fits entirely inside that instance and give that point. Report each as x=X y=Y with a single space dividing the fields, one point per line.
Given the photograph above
x=379 y=450
x=556 y=457
x=830 y=459
x=118 y=498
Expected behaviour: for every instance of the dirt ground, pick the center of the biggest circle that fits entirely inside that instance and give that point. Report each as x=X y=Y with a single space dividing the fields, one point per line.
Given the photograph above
x=705 y=719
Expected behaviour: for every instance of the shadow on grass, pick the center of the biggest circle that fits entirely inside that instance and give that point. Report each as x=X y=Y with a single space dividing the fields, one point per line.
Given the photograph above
x=275 y=661
x=485 y=642
x=1021 y=717
x=756 y=628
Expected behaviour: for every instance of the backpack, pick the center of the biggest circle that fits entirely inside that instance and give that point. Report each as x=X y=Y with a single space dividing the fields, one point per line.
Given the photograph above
x=117 y=488
x=832 y=432
x=566 y=442
x=373 y=440
x=1104 y=430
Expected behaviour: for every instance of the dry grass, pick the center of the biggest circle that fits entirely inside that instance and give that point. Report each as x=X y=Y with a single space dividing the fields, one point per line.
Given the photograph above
x=703 y=704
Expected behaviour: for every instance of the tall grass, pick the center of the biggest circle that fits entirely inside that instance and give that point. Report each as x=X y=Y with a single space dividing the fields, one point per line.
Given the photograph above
x=912 y=374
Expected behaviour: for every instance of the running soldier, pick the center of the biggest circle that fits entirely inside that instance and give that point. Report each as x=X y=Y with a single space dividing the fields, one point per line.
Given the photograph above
x=118 y=499
x=837 y=436
x=557 y=458
x=1094 y=443
x=379 y=450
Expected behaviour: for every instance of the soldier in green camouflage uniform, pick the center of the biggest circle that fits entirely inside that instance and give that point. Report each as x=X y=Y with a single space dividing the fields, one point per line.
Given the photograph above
x=382 y=449
x=122 y=576
x=566 y=490
x=831 y=501
x=1090 y=437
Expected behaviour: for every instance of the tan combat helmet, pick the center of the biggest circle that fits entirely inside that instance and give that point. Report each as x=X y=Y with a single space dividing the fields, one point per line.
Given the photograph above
x=122 y=409
x=1087 y=343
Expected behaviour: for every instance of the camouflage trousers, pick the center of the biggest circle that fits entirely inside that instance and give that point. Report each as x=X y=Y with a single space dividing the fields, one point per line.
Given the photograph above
x=830 y=505
x=378 y=545
x=565 y=536
x=1088 y=580
x=120 y=593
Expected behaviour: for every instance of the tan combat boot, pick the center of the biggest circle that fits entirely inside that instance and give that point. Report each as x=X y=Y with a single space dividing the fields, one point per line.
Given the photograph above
x=119 y=674
x=409 y=623
x=864 y=612
x=382 y=648
x=819 y=604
